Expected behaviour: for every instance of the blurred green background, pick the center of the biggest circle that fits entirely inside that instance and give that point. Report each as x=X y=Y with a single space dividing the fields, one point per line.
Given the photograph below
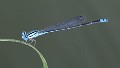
x=94 y=46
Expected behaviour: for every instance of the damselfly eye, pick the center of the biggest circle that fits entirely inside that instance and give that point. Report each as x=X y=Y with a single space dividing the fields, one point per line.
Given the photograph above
x=23 y=33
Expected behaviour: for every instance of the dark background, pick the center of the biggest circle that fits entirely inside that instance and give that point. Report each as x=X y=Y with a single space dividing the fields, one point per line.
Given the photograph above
x=94 y=46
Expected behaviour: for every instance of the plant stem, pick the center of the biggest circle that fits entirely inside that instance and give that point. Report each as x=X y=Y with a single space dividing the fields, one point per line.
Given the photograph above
x=38 y=52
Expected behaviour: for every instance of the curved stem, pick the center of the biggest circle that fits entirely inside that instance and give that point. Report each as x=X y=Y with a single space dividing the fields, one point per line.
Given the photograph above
x=40 y=55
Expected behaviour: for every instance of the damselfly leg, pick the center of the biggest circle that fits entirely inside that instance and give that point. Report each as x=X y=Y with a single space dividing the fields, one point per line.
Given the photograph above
x=33 y=41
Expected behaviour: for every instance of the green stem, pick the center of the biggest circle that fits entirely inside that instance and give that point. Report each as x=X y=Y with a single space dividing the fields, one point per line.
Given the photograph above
x=40 y=55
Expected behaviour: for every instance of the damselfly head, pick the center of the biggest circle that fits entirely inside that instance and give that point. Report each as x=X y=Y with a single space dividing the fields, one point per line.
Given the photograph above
x=24 y=36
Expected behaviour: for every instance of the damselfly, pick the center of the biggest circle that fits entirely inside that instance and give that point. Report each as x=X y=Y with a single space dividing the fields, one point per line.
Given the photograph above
x=68 y=24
